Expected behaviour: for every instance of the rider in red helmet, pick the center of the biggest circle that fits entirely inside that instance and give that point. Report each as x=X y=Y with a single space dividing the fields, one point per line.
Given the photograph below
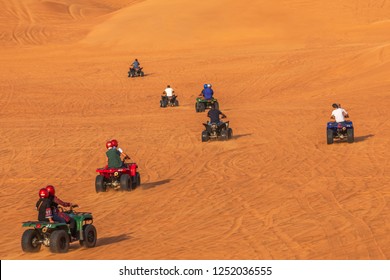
x=58 y=215
x=114 y=144
x=43 y=207
x=113 y=156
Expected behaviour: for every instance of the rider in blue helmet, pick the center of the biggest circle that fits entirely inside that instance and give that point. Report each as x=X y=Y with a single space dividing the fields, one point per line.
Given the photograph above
x=207 y=92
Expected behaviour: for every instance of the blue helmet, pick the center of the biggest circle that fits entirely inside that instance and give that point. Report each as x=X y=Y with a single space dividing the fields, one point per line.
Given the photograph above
x=205 y=85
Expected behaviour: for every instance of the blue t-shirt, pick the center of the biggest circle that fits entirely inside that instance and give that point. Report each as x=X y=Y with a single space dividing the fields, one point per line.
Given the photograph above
x=135 y=64
x=208 y=93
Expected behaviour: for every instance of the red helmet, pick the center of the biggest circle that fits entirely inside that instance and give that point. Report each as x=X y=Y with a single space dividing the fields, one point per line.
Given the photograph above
x=43 y=193
x=114 y=143
x=51 y=190
x=108 y=144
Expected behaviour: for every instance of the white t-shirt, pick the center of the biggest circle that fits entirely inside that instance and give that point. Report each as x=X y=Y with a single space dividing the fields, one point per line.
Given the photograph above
x=339 y=114
x=169 y=91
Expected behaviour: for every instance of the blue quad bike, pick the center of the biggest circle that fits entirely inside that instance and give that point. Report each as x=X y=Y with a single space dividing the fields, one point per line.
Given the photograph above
x=339 y=132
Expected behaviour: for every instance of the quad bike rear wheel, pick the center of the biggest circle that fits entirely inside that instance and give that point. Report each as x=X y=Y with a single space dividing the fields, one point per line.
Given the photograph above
x=125 y=182
x=329 y=136
x=205 y=136
x=176 y=103
x=59 y=241
x=201 y=107
x=350 y=136
x=30 y=241
x=230 y=133
x=224 y=134
x=99 y=184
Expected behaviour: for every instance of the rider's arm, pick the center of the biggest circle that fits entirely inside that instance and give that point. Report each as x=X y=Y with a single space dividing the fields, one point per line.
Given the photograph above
x=62 y=203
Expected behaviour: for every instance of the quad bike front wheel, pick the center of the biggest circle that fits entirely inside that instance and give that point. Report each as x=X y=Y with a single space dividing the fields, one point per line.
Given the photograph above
x=137 y=181
x=30 y=241
x=89 y=236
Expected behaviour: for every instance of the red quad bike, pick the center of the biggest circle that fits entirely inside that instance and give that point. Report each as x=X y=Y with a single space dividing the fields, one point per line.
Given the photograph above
x=125 y=178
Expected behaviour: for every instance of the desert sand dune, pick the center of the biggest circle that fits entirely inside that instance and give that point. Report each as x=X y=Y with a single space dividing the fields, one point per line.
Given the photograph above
x=274 y=191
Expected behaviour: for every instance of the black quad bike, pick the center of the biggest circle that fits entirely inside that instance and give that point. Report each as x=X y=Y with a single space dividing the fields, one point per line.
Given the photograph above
x=214 y=131
x=135 y=72
x=170 y=101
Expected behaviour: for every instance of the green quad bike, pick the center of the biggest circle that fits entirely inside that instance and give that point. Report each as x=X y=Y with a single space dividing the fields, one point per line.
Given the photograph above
x=202 y=104
x=57 y=236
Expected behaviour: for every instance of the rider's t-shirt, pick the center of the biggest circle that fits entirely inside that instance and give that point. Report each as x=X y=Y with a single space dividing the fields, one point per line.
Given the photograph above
x=213 y=114
x=43 y=206
x=208 y=93
x=114 y=159
x=169 y=91
x=338 y=114
x=135 y=64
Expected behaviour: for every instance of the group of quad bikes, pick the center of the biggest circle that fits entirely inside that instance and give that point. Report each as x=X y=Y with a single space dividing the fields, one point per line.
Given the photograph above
x=57 y=236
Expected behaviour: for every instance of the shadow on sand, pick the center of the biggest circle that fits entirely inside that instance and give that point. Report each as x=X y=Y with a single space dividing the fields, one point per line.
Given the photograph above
x=150 y=185
x=113 y=239
x=240 y=135
x=363 y=138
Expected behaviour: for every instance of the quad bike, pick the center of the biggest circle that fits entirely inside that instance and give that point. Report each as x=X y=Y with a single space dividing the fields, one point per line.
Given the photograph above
x=169 y=101
x=135 y=72
x=214 y=131
x=202 y=104
x=125 y=178
x=57 y=236
x=339 y=131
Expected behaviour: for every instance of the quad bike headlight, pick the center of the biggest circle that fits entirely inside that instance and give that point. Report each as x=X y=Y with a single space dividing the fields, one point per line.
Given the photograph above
x=116 y=174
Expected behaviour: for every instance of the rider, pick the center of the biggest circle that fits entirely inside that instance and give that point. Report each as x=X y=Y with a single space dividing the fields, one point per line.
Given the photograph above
x=214 y=113
x=207 y=92
x=135 y=64
x=168 y=93
x=43 y=207
x=339 y=114
x=58 y=215
x=113 y=156
x=114 y=144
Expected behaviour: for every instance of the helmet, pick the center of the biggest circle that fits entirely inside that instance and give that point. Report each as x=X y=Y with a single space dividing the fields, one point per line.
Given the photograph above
x=114 y=143
x=334 y=105
x=108 y=144
x=43 y=193
x=205 y=85
x=209 y=85
x=50 y=190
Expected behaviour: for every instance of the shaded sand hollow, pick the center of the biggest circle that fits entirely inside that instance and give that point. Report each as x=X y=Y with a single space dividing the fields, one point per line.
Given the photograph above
x=275 y=191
